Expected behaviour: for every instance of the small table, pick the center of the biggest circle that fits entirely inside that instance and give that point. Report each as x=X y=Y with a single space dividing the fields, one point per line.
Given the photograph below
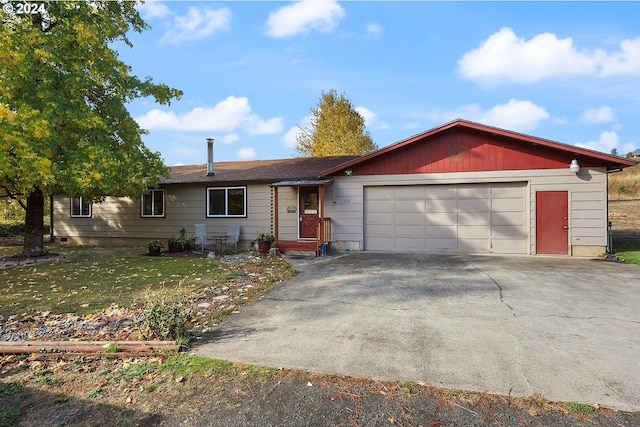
x=219 y=239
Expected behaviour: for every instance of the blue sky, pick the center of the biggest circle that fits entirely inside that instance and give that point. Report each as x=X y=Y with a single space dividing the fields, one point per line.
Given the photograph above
x=251 y=71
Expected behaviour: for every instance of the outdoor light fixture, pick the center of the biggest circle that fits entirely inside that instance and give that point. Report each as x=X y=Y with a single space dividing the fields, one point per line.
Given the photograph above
x=348 y=172
x=574 y=166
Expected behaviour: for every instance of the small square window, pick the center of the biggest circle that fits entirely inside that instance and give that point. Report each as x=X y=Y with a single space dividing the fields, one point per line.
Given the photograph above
x=153 y=203
x=80 y=208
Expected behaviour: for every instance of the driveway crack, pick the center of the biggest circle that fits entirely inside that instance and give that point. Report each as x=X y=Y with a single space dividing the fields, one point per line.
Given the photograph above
x=516 y=344
x=502 y=301
x=636 y=322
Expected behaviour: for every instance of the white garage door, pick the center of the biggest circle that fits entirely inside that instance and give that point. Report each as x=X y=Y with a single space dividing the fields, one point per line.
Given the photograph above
x=457 y=218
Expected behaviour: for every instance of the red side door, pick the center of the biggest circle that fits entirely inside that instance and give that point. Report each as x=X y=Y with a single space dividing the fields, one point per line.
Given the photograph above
x=552 y=223
x=309 y=212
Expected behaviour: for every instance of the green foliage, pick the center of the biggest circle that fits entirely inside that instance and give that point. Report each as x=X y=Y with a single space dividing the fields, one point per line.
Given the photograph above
x=184 y=365
x=138 y=370
x=168 y=317
x=629 y=256
x=44 y=377
x=580 y=408
x=10 y=418
x=16 y=228
x=336 y=128
x=63 y=117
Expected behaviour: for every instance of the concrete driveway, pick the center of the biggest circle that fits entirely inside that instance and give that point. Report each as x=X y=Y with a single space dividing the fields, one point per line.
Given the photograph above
x=568 y=329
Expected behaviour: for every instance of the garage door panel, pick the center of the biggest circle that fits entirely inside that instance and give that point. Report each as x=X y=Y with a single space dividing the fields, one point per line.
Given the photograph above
x=487 y=217
x=473 y=205
x=441 y=244
x=417 y=231
x=409 y=192
x=442 y=205
x=416 y=218
x=380 y=193
x=438 y=192
x=409 y=206
x=513 y=204
x=507 y=246
x=507 y=190
x=442 y=231
x=474 y=218
x=441 y=218
x=380 y=218
x=409 y=243
x=473 y=245
x=473 y=191
x=508 y=218
x=472 y=231
x=503 y=231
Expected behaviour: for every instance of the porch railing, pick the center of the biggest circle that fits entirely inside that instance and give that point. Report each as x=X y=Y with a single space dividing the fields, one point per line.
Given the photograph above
x=323 y=233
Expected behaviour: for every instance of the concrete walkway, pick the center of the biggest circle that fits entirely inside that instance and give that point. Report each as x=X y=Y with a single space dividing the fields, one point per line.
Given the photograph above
x=568 y=329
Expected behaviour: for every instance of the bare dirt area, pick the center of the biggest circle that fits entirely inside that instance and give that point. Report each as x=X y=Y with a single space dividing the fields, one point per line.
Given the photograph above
x=54 y=390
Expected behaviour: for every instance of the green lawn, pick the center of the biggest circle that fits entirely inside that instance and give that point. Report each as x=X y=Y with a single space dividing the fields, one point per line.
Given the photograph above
x=89 y=279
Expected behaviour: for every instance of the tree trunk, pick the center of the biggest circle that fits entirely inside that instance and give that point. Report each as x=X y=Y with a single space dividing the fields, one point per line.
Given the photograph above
x=34 y=225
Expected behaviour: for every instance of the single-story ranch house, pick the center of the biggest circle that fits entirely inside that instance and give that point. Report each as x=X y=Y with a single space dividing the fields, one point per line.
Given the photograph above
x=460 y=187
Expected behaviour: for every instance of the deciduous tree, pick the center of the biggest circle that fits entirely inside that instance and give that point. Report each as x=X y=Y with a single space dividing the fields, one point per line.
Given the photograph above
x=336 y=128
x=64 y=124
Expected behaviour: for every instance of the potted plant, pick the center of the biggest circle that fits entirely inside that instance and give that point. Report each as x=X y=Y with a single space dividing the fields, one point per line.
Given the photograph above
x=264 y=242
x=154 y=247
x=179 y=244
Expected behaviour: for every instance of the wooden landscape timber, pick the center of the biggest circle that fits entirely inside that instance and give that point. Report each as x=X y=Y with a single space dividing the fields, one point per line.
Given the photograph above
x=106 y=347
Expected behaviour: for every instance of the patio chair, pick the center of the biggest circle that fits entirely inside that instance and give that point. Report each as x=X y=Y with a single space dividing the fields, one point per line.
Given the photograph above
x=233 y=233
x=201 y=237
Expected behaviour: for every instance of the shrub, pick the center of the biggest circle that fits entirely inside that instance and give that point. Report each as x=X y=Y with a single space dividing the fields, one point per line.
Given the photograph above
x=168 y=318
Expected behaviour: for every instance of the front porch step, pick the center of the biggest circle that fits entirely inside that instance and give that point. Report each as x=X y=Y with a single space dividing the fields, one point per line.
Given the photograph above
x=299 y=247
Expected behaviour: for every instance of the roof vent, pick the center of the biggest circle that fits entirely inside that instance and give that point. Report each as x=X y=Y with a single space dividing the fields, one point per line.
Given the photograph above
x=210 y=156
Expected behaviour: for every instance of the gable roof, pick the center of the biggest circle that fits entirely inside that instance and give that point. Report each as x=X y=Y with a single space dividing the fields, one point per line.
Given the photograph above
x=256 y=170
x=610 y=161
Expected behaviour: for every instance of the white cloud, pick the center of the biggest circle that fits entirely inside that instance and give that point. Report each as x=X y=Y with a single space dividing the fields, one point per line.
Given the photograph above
x=246 y=153
x=153 y=10
x=504 y=57
x=291 y=137
x=373 y=30
x=516 y=115
x=198 y=23
x=598 y=115
x=371 y=118
x=626 y=61
x=606 y=142
x=228 y=115
x=265 y=127
x=230 y=138
x=303 y=17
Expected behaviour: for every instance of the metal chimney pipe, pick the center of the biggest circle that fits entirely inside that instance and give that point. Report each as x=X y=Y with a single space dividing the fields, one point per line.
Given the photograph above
x=210 y=156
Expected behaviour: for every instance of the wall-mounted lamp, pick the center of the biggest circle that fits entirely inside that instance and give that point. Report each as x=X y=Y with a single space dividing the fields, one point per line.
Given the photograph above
x=348 y=172
x=574 y=166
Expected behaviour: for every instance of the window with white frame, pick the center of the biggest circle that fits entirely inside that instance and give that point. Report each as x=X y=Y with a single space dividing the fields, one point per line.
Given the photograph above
x=80 y=208
x=153 y=204
x=226 y=201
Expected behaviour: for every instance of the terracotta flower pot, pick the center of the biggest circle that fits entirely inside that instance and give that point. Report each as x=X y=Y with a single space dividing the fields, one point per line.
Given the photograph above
x=263 y=247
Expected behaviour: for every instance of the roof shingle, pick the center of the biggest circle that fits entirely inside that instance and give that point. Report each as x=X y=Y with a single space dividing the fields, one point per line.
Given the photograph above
x=256 y=170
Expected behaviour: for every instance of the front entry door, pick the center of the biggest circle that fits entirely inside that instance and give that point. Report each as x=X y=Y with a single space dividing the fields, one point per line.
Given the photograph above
x=552 y=223
x=309 y=212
